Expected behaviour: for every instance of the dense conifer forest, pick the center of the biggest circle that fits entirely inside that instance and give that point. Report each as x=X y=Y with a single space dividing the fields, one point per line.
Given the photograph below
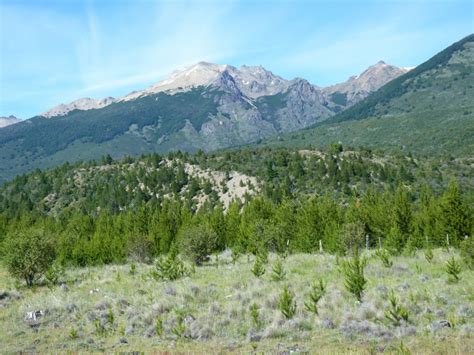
x=300 y=201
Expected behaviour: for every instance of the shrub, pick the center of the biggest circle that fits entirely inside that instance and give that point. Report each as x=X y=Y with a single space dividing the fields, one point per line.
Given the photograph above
x=258 y=268
x=453 y=268
x=278 y=272
x=133 y=269
x=384 y=257
x=159 y=326
x=197 y=243
x=180 y=328
x=28 y=255
x=396 y=312
x=318 y=290
x=353 y=271
x=171 y=268
x=429 y=255
x=254 y=313
x=287 y=303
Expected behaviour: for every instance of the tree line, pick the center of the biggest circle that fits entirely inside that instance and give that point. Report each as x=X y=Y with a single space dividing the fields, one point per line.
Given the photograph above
x=391 y=219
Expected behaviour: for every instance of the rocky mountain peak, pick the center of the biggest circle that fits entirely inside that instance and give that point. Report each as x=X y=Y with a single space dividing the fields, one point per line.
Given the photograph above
x=85 y=103
x=359 y=86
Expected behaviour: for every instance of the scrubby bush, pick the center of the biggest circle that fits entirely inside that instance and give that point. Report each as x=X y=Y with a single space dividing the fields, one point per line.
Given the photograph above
x=396 y=312
x=258 y=268
x=197 y=243
x=318 y=290
x=353 y=271
x=278 y=272
x=255 y=315
x=180 y=327
x=429 y=255
x=287 y=303
x=159 y=326
x=384 y=257
x=170 y=267
x=29 y=254
x=453 y=268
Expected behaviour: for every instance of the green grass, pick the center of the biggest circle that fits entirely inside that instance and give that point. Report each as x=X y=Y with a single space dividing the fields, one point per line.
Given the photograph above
x=219 y=299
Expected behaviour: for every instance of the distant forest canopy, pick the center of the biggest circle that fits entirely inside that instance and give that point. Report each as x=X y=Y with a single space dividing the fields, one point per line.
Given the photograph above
x=109 y=211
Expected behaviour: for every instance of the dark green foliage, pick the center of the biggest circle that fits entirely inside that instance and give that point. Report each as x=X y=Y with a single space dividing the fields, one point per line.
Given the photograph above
x=128 y=210
x=171 y=268
x=455 y=214
x=41 y=137
x=453 y=268
x=287 y=303
x=339 y=98
x=353 y=271
x=197 y=243
x=29 y=254
x=318 y=290
x=396 y=313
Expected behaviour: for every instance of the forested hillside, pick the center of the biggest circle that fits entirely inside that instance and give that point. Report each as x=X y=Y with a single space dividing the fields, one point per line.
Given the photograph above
x=429 y=110
x=278 y=200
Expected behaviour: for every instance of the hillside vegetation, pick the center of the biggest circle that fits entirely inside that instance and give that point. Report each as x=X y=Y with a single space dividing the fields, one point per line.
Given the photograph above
x=429 y=110
x=108 y=211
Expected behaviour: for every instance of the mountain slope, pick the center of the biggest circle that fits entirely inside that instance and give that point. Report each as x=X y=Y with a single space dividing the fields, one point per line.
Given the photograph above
x=206 y=106
x=429 y=110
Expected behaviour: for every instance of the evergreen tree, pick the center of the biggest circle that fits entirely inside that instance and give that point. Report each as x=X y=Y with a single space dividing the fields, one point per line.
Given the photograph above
x=455 y=214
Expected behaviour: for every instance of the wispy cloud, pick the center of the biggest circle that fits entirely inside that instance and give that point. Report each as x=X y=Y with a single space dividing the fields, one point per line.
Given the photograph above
x=56 y=51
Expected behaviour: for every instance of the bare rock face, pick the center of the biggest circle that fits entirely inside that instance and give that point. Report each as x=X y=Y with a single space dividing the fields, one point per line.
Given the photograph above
x=7 y=121
x=358 y=87
x=256 y=81
x=305 y=105
x=253 y=82
x=80 y=104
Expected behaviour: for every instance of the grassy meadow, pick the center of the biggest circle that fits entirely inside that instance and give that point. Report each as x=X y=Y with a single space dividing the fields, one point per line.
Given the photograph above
x=223 y=308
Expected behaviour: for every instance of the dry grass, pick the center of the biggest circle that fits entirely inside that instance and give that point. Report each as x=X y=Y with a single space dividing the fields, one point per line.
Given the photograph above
x=108 y=309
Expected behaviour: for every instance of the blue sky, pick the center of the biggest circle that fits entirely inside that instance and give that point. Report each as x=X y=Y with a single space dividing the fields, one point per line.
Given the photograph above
x=56 y=51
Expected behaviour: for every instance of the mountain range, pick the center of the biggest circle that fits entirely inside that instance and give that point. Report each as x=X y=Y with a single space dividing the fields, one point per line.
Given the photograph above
x=209 y=106
x=205 y=106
